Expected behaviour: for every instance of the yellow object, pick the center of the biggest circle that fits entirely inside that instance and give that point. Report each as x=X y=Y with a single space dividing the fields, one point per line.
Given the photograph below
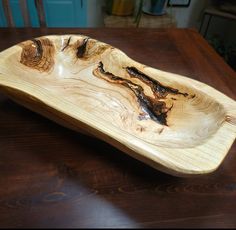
x=122 y=7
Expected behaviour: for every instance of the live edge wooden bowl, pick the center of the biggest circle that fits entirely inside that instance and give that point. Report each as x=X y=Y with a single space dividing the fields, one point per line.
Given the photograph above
x=171 y=122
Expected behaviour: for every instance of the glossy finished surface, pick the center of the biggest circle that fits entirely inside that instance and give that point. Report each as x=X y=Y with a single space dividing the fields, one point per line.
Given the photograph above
x=169 y=121
x=47 y=169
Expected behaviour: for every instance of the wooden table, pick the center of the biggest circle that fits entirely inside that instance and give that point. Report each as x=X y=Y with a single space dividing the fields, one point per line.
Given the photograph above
x=53 y=177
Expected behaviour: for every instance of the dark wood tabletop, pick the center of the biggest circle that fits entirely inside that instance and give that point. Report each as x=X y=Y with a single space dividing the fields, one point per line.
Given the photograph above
x=51 y=176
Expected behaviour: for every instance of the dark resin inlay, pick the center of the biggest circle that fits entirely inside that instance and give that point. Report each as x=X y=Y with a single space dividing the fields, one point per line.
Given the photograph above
x=159 y=90
x=39 y=47
x=156 y=109
x=67 y=44
x=82 y=49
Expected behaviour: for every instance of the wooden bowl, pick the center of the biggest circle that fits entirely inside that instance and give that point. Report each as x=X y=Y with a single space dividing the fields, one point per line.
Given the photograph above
x=171 y=122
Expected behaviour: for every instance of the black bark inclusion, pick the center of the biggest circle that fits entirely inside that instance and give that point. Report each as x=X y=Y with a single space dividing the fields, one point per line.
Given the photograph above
x=82 y=49
x=39 y=48
x=155 y=85
x=156 y=110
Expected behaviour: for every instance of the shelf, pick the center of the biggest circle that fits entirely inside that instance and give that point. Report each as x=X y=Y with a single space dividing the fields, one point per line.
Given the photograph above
x=147 y=21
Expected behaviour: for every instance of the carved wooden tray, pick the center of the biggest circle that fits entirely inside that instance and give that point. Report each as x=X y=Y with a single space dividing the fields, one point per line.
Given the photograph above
x=173 y=123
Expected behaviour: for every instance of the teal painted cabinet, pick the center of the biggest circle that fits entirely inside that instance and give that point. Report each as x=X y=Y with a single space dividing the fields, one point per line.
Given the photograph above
x=58 y=13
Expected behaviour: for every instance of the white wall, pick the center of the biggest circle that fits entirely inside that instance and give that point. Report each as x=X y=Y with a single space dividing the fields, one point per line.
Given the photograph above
x=188 y=16
x=185 y=17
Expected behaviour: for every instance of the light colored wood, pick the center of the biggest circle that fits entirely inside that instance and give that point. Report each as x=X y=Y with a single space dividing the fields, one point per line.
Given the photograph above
x=171 y=122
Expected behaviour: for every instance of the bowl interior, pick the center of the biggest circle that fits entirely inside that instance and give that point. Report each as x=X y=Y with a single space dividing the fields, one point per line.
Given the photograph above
x=104 y=82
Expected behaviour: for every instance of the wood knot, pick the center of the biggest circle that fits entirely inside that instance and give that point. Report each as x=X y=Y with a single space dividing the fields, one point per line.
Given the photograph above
x=38 y=54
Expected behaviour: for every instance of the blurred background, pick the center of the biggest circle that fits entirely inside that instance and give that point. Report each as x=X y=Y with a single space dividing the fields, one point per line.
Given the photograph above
x=214 y=19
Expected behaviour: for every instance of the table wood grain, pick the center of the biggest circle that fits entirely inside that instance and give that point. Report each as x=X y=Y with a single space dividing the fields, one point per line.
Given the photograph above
x=54 y=177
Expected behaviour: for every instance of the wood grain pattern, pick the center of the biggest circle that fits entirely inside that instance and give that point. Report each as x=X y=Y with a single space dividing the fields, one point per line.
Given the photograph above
x=38 y=54
x=54 y=177
x=170 y=122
